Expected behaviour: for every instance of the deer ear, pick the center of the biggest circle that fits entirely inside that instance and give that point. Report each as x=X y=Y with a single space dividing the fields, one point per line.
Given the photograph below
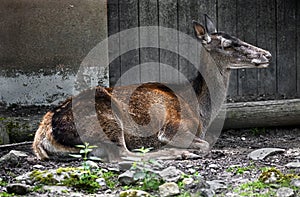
x=201 y=33
x=199 y=30
x=210 y=27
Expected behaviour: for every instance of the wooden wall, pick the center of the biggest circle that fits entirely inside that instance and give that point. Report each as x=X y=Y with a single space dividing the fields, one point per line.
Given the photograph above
x=270 y=24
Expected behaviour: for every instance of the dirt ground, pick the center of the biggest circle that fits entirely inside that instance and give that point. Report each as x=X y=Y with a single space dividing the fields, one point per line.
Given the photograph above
x=230 y=150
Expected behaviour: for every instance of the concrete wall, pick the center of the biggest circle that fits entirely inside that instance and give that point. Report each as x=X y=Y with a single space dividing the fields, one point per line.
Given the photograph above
x=42 y=44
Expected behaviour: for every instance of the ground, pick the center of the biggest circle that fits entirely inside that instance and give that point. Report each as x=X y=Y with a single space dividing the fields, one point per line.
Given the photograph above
x=227 y=161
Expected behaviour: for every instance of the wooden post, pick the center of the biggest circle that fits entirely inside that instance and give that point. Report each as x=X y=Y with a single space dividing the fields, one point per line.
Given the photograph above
x=262 y=114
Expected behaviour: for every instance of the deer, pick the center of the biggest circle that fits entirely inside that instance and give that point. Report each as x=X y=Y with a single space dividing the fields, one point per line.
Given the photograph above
x=120 y=111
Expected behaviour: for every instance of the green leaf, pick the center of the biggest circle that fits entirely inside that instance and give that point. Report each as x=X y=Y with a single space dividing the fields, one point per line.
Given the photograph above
x=94 y=158
x=82 y=151
x=92 y=147
x=80 y=146
x=76 y=156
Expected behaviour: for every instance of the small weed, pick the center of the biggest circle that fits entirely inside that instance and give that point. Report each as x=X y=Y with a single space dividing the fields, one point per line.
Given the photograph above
x=258 y=131
x=87 y=179
x=147 y=180
x=240 y=170
x=110 y=179
x=5 y=194
x=251 y=188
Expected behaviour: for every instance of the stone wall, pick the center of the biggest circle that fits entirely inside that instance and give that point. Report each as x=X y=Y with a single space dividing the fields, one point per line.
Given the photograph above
x=42 y=44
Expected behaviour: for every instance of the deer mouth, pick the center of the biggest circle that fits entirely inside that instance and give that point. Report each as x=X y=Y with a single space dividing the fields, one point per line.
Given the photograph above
x=262 y=62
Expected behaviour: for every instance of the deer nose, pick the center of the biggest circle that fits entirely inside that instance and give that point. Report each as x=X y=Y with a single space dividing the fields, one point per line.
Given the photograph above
x=268 y=55
x=264 y=59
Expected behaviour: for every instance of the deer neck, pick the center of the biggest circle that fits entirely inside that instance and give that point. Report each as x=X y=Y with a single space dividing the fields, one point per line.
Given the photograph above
x=207 y=112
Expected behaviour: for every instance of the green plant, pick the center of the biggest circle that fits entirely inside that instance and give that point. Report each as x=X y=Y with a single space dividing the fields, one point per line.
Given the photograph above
x=5 y=194
x=87 y=178
x=147 y=180
x=258 y=131
x=282 y=180
x=110 y=179
x=240 y=170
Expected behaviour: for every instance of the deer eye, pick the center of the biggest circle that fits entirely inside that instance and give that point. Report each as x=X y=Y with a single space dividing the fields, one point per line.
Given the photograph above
x=225 y=43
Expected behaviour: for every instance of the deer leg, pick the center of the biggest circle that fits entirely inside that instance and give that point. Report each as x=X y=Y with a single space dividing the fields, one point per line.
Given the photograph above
x=179 y=135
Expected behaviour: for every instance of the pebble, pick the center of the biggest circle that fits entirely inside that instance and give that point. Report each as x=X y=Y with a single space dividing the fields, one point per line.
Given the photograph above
x=293 y=165
x=262 y=153
x=171 y=174
x=101 y=182
x=207 y=193
x=295 y=182
x=40 y=167
x=125 y=165
x=56 y=189
x=13 y=157
x=187 y=181
x=126 y=178
x=285 y=192
x=168 y=189
x=214 y=166
x=17 y=188
x=92 y=164
x=217 y=185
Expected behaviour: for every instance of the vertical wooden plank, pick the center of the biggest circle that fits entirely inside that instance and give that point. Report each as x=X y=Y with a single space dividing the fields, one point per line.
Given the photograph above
x=149 y=17
x=168 y=18
x=227 y=21
x=209 y=8
x=266 y=38
x=188 y=11
x=286 y=48
x=185 y=8
x=129 y=10
x=246 y=30
x=298 y=48
x=113 y=45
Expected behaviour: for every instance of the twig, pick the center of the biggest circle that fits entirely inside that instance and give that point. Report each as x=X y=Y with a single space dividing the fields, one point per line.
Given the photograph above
x=15 y=144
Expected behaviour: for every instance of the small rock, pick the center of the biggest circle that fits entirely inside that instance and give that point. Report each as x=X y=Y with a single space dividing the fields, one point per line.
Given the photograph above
x=229 y=194
x=262 y=153
x=192 y=170
x=168 y=189
x=295 y=182
x=293 y=165
x=126 y=178
x=285 y=192
x=40 y=167
x=207 y=193
x=171 y=174
x=214 y=166
x=134 y=193
x=92 y=164
x=125 y=165
x=115 y=170
x=23 y=177
x=56 y=189
x=243 y=138
x=101 y=182
x=17 y=188
x=217 y=185
x=13 y=157
x=187 y=181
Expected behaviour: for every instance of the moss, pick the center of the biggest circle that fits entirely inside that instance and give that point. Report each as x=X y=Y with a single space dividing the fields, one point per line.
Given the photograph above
x=282 y=180
x=60 y=170
x=43 y=177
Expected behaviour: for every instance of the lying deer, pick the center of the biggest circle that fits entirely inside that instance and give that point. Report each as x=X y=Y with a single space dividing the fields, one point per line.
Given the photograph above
x=152 y=104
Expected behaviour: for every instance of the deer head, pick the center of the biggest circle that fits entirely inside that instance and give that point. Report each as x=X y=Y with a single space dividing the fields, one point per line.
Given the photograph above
x=228 y=51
